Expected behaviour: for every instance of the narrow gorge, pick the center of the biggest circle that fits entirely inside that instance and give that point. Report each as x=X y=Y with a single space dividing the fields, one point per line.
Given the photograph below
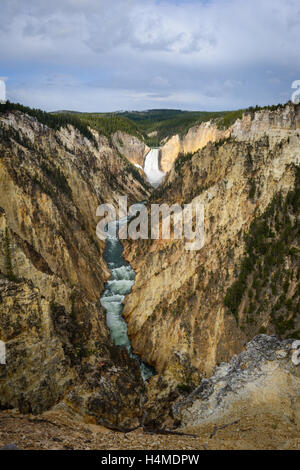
x=120 y=284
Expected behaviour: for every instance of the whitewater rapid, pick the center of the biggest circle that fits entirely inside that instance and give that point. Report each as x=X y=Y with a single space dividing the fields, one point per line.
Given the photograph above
x=119 y=285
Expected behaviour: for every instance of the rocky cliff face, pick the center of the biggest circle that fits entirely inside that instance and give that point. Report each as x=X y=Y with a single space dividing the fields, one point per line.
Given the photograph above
x=188 y=311
x=195 y=139
x=276 y=124
x=180 y=318
x=58 y=348
x=251 y=127
x=131 y=147
x=264 y=379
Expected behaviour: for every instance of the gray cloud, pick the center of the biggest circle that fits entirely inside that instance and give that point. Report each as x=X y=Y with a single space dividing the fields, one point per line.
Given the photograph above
x=197 y=54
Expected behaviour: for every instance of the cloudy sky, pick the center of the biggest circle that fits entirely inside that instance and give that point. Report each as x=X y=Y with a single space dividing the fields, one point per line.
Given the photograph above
x=107 y=55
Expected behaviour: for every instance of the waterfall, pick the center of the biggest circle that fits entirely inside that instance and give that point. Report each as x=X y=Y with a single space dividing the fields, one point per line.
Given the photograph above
x=151 y=168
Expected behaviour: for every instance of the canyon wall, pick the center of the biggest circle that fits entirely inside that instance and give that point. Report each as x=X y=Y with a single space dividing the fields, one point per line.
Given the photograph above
x=251 y=127
x=58 y=347
x=276 y=124
x=178 y=319
x=189 y=310
x=131 y=147
x=195 y=139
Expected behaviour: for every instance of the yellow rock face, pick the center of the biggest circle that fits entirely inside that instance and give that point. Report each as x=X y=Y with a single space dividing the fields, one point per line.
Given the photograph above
x=175 y=313
x=52 y=273
x=58 y=347
x=195 y=139
x=131 y=147
x=252 y=127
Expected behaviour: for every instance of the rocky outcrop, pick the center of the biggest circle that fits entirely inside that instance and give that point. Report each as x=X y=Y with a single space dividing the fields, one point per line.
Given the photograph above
x=58 y=347
x=195 y=139
x=176 y=314
x=131 y=147
x=275 y=123
x=261 y=380
x=253 y=125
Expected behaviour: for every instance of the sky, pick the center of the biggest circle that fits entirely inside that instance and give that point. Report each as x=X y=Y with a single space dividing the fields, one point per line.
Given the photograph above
x=110 y=55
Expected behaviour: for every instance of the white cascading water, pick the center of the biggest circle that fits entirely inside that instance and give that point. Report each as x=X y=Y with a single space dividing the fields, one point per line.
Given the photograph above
x=151 y=168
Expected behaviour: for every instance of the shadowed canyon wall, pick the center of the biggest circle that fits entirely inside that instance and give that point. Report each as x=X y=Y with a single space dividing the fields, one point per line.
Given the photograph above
x=58 y=347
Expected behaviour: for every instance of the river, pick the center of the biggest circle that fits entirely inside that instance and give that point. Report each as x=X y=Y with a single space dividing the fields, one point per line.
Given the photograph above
x=122 y=275
x=119 y=285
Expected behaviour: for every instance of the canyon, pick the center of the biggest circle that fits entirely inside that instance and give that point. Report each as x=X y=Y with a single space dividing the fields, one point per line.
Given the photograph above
x=58 y=346
x=183 y=326
x=223 y=318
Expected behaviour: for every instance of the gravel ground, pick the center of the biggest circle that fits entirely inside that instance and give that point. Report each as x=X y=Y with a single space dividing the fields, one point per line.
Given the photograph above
x=57 y=431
